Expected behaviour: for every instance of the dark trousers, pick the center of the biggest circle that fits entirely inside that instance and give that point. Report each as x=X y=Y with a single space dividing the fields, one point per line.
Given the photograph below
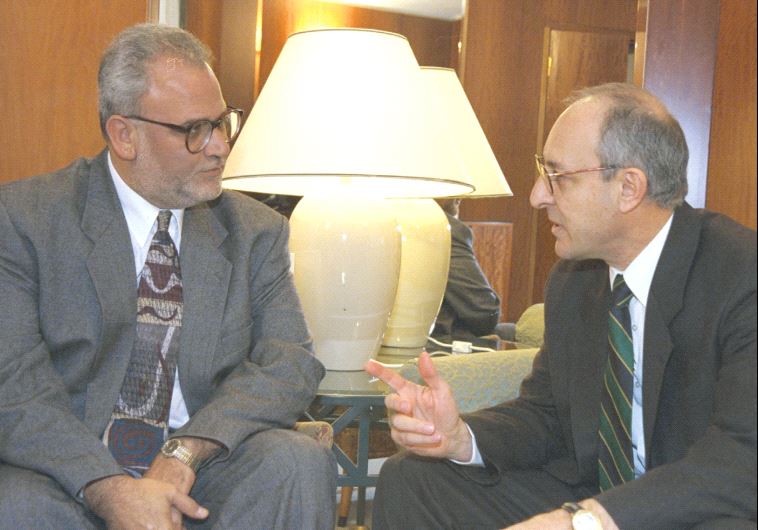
x=420 y=493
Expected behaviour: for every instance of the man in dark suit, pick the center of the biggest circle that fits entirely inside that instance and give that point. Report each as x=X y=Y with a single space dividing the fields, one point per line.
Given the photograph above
x=232 y=366
x=470 y=307
x=681 y=450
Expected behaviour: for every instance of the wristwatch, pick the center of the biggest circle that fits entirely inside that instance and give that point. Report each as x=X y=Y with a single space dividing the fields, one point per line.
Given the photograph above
x=581 y=519
x=174 y=448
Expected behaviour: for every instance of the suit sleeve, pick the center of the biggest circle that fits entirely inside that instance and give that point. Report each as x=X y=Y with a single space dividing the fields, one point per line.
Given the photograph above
x=278 y=375
x=33 y=399
x=468 y=292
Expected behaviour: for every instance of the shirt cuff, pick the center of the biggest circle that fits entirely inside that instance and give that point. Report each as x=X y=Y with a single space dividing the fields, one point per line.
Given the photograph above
x=476 y=456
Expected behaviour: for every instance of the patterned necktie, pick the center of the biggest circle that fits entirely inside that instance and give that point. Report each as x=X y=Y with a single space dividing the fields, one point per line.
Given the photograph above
x=615 y=447
x=139 y=423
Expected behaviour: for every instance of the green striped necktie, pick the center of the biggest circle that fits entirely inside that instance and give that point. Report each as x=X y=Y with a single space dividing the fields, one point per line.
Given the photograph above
x=615 y=464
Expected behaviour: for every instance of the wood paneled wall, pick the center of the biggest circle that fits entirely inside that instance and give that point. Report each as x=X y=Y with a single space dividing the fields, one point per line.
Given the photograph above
x=732 y=173
x=679 y=65
x=493 y=245
x=434 y=42
x=49 y=56
x=228 y=28
x=49 y=52
x=502 y=64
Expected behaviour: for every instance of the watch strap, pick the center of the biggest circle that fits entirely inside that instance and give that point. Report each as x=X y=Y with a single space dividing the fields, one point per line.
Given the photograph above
x=571 y=507
x=581 y=518
x=180 y=451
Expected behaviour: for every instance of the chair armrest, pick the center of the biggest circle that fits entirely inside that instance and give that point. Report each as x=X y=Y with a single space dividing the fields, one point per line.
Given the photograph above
x=480 y=380
x=320 y=431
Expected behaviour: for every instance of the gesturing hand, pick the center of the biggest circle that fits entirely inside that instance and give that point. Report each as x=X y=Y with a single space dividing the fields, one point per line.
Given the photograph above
x=424 y=419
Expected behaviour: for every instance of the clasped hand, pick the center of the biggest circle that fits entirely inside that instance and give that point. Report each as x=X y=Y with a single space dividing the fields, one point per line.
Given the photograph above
x=158 y=500
x=424 y=419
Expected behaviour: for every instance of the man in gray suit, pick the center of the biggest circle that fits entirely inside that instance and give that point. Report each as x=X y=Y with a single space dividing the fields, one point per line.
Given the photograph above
x=72 y=245
x=668 y=440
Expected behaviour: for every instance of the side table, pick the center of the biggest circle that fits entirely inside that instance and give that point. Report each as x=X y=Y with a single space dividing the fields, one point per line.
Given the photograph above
x=351 y=399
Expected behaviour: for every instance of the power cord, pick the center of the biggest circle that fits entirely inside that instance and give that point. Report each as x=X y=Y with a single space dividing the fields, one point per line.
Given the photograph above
x=458 y=347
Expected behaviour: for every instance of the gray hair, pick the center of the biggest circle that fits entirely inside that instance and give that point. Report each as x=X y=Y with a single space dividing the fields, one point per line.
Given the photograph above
x=123 y=76
x=638 y=131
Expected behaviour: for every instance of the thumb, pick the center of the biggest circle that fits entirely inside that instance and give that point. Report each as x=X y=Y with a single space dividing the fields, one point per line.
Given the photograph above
x=428 y=372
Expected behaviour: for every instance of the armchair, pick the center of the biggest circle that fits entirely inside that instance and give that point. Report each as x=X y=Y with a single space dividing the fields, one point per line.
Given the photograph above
x=481 y=380
x=320 y=431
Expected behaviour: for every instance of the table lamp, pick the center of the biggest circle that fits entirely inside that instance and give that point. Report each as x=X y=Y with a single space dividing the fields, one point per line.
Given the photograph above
x=343 y=120
x=425 y=253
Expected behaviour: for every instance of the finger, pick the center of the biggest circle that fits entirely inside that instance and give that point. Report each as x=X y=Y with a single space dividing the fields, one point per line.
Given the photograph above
x=416 y=441
x=176 y=517
x=187 y=505
x=397 y=405
x=429 y=373
x=389 y=376
x=408 y=424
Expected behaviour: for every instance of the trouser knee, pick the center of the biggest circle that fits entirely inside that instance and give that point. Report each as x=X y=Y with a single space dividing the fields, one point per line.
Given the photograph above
x=32 y=500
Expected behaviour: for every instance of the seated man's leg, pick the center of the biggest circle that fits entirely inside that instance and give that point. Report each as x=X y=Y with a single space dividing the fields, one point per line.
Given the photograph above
x=423 y=493
x=274 y=479
x=731 y=523
x=32 y=500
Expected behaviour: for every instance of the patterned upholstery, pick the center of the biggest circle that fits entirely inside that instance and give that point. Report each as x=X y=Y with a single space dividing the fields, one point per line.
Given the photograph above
x=321 y=431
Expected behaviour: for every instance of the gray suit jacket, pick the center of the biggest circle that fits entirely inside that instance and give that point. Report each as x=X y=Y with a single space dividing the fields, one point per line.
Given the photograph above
x=699 y=382
x=68 y=316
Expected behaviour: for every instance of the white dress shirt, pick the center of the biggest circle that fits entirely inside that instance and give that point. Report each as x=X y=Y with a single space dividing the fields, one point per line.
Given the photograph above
x=638 y=276
x=141 y=218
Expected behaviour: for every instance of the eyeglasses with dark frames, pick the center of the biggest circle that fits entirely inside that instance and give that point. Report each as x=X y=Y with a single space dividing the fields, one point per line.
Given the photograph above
x=551 y=176
x=198 y=133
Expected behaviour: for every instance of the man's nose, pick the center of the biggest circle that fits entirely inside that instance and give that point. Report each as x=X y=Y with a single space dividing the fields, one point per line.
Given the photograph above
x=218 y=145
x=540 y=197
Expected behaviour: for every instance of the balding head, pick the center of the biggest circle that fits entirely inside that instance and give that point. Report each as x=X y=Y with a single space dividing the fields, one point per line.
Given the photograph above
x=638 y=131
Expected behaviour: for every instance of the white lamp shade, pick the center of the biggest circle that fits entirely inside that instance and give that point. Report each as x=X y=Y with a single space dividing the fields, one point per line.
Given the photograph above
x=448 y=99
x=345 y=107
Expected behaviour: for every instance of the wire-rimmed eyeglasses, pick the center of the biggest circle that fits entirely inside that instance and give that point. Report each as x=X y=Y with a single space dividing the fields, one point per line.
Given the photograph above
x=551 y=176
x=198 y=133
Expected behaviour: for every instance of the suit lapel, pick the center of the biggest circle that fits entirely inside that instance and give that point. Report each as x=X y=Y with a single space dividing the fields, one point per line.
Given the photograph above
x=665 y=301
x=206 y=273
x=111 y=268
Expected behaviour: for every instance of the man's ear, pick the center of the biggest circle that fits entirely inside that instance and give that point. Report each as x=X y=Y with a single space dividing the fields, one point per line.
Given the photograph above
x=633 y=188
x=122 y=136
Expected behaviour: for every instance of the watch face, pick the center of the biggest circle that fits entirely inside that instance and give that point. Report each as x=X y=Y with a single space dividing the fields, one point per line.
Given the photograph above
x=584 y=520
x=171 y=446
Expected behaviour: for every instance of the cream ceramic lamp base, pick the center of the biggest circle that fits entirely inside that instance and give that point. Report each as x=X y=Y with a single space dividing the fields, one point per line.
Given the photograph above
x=346 y=259
x=424 y=263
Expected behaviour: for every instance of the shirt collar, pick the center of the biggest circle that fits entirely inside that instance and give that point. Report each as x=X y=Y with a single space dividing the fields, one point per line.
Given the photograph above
x=140 y=214
x=639 y=273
